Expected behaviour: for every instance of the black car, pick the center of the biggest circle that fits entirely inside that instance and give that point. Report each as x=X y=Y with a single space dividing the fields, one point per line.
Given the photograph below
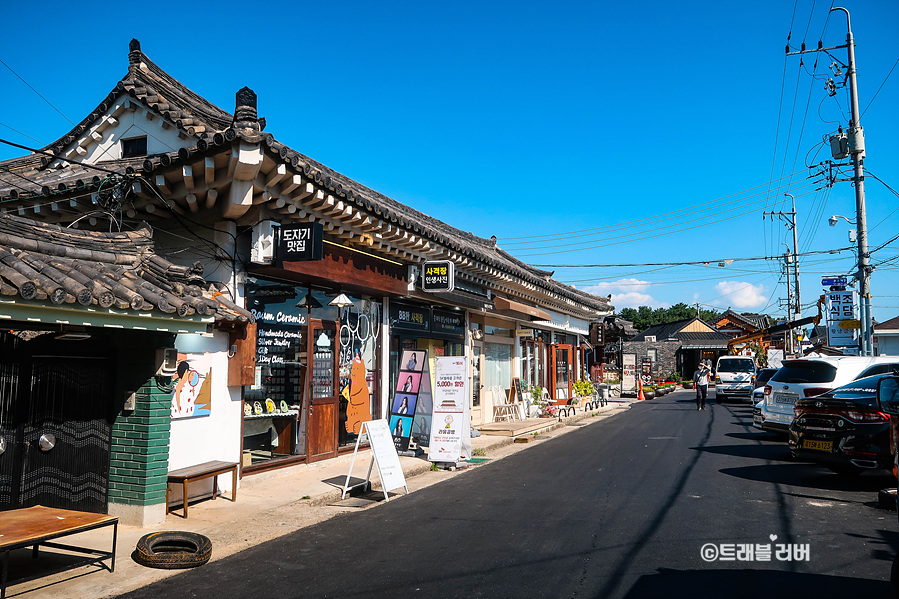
x=843 y=429
x=761 y=377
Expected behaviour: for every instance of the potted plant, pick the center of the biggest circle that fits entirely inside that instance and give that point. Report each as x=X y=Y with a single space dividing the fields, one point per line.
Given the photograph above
x=546 y=407
x=583 y=391
x=649 y=392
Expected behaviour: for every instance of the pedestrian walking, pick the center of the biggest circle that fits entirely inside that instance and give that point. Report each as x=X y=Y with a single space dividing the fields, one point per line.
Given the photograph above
x=701 y=379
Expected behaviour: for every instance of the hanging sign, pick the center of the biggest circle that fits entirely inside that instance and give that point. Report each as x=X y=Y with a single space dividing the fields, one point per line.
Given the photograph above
x=438 y=275
x=383 y=455
x=451 y=424
x=840 y=307
x=300 y=242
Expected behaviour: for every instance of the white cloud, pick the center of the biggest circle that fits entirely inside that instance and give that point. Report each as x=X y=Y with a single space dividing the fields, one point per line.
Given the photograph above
x=742 y=295
x=630 y=295
x=635 y=300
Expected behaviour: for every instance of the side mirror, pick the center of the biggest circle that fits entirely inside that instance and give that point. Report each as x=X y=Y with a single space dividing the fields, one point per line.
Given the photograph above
x=888 y=394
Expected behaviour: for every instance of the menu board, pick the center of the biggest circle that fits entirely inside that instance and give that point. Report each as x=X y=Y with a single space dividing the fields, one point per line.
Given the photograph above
x=322 y=373
x=323 y=363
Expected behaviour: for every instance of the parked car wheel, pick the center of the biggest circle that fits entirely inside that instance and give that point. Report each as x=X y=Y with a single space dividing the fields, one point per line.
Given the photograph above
x=172 y=550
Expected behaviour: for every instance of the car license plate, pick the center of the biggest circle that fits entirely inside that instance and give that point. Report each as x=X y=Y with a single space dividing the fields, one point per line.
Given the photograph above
x=819 y=445
x=784 y=398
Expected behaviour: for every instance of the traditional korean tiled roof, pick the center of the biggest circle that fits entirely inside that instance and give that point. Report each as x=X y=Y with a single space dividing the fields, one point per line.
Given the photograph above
x=758 y=321
x=55 y=266
x=707 y=340
x=212 y=131
x=674 y=330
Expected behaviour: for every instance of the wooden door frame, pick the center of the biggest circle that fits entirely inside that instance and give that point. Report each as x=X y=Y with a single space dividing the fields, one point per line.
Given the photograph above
x=479 y=365
x=553 y=349
x=333 y=400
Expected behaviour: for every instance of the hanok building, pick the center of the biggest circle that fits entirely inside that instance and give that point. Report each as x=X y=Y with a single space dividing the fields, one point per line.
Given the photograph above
x=677 y=346
x=326 y=272
x=736 y=325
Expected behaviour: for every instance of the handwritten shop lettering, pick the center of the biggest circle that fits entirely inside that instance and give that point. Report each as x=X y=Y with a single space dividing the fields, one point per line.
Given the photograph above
x=409 y=316
x=279 y=317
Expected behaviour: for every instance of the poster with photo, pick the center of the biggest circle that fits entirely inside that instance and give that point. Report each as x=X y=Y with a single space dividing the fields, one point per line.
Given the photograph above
x=404 y=403
x=406 y=399
x=408 y=382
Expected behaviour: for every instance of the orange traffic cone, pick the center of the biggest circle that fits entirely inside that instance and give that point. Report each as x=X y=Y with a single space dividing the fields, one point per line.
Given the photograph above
x=640 y=396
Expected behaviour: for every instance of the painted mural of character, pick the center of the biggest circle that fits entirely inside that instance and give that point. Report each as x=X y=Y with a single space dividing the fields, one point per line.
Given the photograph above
x=359 y=407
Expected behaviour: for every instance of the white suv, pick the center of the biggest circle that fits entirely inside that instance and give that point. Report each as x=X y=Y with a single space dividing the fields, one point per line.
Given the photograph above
x=811 y=376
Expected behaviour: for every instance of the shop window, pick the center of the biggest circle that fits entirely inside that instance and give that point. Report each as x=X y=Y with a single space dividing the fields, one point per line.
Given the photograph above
x=498 y=366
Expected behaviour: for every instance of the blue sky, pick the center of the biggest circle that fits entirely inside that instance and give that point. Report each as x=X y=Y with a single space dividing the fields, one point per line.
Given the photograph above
x=578 y=133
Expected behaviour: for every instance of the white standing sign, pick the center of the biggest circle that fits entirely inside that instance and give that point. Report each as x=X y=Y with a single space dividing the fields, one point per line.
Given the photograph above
x=383 y=455
x=451 y=422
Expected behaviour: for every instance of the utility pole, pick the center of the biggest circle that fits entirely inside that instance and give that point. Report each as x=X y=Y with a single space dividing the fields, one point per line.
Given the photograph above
x=852 y=144
x=857 y=154
x=788 y=334
x=794 y=308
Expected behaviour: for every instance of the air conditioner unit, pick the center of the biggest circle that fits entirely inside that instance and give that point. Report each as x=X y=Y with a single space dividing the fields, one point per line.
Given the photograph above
x=263 y=248
x=166 y=361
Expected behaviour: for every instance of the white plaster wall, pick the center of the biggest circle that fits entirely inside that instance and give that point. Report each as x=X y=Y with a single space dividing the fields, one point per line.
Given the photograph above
x=161 y=135
x=888 y=345
x=214 y=437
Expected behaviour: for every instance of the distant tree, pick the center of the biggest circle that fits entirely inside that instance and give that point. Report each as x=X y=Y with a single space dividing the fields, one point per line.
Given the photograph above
x=644 y=317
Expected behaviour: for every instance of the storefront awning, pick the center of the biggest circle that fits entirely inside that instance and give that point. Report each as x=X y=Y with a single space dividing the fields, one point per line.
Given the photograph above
x=508 y=307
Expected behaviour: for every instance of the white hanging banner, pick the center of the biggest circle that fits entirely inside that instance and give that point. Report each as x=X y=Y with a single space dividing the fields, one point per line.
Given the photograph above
x=383 y=455
x=840 y=307
x=451 y=421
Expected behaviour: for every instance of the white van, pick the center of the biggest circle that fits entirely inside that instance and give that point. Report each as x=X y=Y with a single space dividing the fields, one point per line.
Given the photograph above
x=733 y=377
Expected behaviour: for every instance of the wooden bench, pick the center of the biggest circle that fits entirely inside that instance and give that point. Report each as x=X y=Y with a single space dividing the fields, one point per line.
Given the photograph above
x=190 y=474
x=38 y=525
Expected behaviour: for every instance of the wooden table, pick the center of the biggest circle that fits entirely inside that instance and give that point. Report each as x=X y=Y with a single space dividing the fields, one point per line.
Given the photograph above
x=38 y=525
x=190 y=474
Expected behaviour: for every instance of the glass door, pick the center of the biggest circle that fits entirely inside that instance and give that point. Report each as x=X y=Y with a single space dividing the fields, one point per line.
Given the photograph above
x=561 y=360
x=477 y=386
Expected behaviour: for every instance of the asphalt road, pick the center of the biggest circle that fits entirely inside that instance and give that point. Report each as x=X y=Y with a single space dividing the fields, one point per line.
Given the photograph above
x=619 y=508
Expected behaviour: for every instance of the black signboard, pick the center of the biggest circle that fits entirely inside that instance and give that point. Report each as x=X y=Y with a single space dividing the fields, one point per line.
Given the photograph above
x=438 y=275
x=447 y=322
x=414 y=318
x=300 y=242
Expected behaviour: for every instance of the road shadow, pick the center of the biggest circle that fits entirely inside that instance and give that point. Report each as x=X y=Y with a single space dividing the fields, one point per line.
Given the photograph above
x=773 y=452
x=757 y=435
x=811 y=476
x=751 y=584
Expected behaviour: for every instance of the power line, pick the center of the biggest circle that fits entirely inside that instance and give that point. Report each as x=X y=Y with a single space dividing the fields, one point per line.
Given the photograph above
x=648 y=219
x=37 y=92
x=692 y=262
x=879 y=88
